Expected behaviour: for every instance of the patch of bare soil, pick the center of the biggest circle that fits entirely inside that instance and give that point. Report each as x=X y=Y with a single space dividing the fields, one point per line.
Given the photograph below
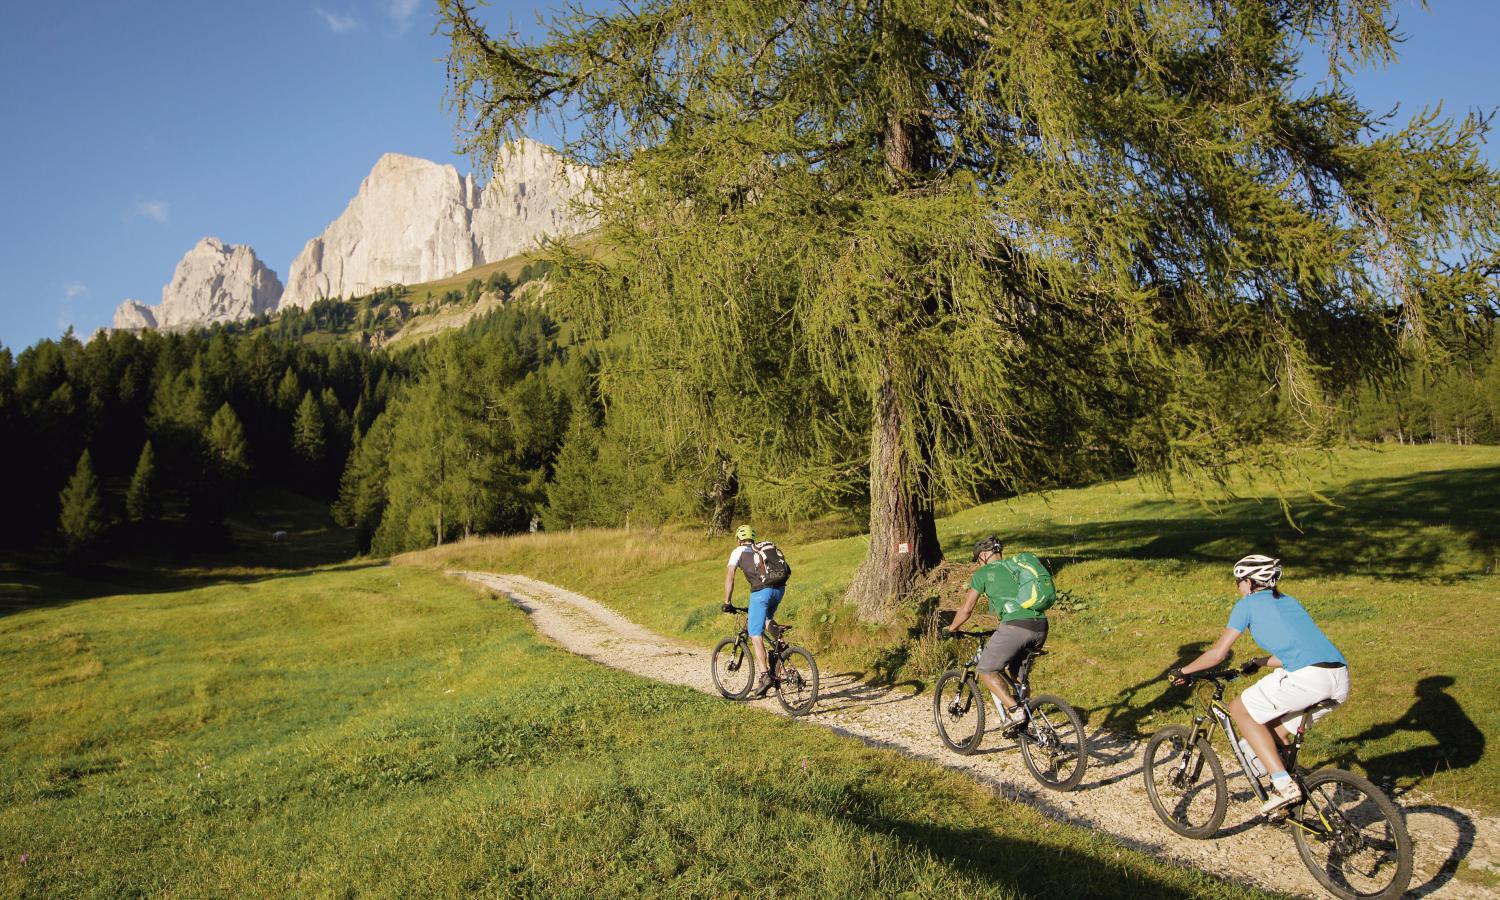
x=1112 y=798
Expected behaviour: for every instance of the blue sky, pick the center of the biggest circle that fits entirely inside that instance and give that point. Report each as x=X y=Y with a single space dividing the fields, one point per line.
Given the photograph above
x=134 y=129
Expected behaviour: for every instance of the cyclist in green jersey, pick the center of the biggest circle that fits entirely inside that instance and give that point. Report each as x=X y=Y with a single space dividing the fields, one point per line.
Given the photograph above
x=1021 y=628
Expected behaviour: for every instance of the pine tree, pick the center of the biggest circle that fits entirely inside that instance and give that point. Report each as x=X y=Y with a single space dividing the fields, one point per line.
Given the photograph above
x=82 y=520
x=226 y=444
x=143 y=500
x=287 y=391
x=308 y=438
x=948 y=235
x=573 y=493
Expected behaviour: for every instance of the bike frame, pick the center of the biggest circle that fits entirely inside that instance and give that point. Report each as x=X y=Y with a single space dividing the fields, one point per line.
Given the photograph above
x=1215 y=715
x=1020 y=685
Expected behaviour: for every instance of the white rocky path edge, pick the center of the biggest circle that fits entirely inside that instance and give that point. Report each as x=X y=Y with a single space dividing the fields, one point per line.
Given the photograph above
x=1111 y=799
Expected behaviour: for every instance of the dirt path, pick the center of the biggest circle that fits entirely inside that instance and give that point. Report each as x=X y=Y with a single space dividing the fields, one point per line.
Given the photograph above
x=1111 y=798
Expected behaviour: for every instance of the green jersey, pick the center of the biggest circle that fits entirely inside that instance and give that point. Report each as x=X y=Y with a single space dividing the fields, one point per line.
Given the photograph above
x=1000 y=583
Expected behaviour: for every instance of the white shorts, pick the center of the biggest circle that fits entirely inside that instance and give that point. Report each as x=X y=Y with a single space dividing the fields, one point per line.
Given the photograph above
x=1278 y=698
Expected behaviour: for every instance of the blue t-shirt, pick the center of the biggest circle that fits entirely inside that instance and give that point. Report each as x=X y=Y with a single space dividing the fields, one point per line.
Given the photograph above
x=1282 y=626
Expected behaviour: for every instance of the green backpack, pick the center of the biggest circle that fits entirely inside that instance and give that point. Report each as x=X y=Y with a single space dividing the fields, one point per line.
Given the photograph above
x=1037 y=592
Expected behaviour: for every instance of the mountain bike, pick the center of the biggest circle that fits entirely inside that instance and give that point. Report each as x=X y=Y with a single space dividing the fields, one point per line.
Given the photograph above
x=1053 y=744
x=794 y=672
x=1350 y=835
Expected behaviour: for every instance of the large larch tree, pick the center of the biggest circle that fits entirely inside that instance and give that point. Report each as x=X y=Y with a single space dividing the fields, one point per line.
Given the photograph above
x=930 y=250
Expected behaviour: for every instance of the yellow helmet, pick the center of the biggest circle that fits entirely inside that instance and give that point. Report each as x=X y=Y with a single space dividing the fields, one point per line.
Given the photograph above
x=744 y=533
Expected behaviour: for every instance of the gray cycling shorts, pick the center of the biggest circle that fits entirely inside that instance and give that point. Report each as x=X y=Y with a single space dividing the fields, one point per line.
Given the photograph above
x=1004 y=648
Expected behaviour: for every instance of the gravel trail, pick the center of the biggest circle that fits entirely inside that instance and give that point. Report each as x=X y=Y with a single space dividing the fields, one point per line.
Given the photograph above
x=1111 y=798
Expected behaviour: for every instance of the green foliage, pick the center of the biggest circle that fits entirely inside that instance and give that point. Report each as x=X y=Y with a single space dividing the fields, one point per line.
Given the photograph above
x=363 y=488
x=82 y=521
x=474 y=436
x=228 y=449
x=308 y=438
x=577 y=493
x=143 y=499
x=947 y=253
x=120 y=391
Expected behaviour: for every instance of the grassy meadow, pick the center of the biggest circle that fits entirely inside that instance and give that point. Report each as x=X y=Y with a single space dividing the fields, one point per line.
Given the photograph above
x=1393 y=551
x=385 y=731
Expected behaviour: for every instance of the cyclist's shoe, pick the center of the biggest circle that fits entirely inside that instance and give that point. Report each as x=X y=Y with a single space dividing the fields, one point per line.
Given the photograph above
x=1278 y=799
x=1015 y=719
x=762 y=684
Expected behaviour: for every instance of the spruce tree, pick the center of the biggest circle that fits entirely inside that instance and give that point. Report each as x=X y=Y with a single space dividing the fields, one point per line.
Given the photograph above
x=143 y=499
x=308 y=437
x=976 y=239
x=82 y=519
x=227 y=447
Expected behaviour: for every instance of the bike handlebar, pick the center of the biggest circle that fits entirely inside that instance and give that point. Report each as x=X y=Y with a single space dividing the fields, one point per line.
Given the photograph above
x=973 y=634
x=731 y=608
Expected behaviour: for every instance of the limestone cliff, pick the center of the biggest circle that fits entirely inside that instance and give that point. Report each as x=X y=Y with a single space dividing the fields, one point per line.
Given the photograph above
x=214 y=282
x=415 y=221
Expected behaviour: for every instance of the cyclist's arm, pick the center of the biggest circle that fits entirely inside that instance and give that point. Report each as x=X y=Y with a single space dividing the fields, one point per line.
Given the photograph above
x=1271 y=662
x=1214 y=655
x=729 y=585
x=962 y=616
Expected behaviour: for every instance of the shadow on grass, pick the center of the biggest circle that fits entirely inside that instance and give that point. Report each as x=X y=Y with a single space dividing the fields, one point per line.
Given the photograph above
x=1457 y=742
x=27 y=589
x=1388 y=526
x=1016 y=866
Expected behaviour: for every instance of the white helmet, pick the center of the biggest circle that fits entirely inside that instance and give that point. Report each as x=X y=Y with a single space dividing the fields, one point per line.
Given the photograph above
x=1259 y=569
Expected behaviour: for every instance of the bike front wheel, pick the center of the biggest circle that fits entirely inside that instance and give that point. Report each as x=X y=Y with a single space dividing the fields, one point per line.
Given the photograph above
x=1352 y=837
x=733 y=668
x=958 y=711
x=797 y=682
x=1185 y=782
x=1053 y=744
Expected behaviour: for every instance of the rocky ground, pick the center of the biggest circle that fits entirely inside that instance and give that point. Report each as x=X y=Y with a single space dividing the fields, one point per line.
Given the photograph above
x=1111 y=798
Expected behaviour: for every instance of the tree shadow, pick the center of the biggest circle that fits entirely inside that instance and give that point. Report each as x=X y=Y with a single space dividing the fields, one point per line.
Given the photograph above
x=1001 y=860
x=1458 y=742
x=1122 y=717
x=1420 y=518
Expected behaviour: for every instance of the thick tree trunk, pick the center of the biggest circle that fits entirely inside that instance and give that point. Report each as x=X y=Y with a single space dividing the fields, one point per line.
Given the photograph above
x=721 y=496
x=903 y=533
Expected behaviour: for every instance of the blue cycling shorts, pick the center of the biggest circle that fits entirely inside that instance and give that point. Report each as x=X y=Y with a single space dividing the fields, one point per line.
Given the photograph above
x=763 y=605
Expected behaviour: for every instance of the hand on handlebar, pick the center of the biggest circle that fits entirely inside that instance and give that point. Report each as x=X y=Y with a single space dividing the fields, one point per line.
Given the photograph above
x=727 y=607
x=1175 y=676
x=944 y=634
x=1252 y=665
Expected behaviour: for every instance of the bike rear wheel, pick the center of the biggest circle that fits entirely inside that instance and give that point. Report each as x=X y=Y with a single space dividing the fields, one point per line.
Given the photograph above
x=797 y=682
x=1053 y=744
x=958 y=711
x=1185 y=782
x=1352 y=837
x=733 y=667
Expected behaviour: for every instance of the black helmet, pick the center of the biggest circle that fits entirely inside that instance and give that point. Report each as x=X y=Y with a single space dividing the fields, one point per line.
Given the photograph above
x=990 y=544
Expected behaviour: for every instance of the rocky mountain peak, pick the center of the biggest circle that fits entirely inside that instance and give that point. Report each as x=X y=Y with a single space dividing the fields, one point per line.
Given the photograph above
x=414 y=220
x=214 y=282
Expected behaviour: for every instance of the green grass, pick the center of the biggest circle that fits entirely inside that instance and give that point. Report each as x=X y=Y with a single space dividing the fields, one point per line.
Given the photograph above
x=1399 y=571
x=384 y=731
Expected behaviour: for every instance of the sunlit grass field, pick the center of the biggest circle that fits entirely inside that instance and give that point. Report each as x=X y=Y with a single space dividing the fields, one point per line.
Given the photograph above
x=1394 y=552
x=377 y=731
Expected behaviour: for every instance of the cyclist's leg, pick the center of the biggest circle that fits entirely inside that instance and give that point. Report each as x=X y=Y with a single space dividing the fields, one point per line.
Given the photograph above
x=755 y=626
x=1277 y=701
x=773 y=601
x=1004 y=646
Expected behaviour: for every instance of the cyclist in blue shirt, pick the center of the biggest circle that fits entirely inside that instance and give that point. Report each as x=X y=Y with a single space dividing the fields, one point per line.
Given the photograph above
x=1309 y=669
